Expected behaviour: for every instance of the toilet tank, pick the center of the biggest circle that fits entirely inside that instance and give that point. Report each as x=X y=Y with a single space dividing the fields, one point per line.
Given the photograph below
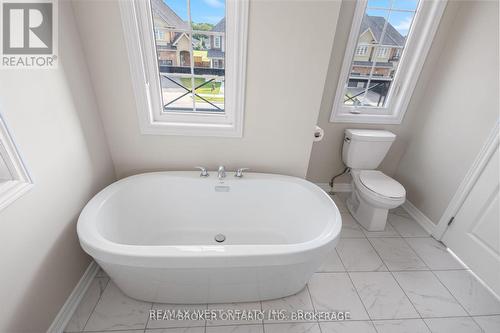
x=364 y=148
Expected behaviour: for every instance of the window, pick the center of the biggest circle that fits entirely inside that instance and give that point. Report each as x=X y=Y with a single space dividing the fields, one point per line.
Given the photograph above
x=382 y=52
x=361 y=50
x=165 y=62
x=377 y=87
x=183 y=85
x=14 y=178
x=159 y=34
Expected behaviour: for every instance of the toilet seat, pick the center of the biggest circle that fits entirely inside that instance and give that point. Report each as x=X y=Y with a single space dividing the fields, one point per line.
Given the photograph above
x=377 y=182
x=381 y=184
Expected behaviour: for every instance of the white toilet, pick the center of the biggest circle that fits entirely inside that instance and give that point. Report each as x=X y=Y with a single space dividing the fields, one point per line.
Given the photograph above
x=373 y=192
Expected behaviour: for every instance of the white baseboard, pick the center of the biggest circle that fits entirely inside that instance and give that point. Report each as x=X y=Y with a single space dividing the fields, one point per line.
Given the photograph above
x=342 y=187
x=337 y=187
x=74 y=299
x=418 y=216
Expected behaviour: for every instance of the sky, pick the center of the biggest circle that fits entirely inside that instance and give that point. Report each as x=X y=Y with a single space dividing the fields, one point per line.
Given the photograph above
x=212 y=11
x=401 y=20
x=202 y=11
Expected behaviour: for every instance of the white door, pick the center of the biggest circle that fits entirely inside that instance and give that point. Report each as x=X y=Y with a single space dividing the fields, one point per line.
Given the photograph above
x=474 y=234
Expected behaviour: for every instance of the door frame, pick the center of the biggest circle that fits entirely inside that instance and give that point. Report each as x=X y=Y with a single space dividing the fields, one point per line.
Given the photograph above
x=469 y=181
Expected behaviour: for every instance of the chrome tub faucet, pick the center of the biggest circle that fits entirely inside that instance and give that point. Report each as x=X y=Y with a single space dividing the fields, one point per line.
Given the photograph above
x=221 y=173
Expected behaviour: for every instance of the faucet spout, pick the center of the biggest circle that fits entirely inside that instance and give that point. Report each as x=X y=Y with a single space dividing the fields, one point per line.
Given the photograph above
x=221 y=173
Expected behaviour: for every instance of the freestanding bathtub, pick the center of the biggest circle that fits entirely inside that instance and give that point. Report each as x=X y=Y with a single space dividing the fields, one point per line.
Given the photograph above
x=154 y=235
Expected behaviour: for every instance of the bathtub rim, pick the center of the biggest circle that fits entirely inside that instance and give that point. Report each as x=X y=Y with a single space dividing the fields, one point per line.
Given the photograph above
x=103 y=249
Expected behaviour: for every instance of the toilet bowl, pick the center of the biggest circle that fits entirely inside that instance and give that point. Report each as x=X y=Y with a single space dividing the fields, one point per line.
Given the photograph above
x=374 y=193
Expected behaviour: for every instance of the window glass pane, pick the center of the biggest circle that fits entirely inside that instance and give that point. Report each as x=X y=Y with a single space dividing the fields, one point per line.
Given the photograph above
x=209 y=63
x=177 y=9
x=380 y=44
x=176 y=92
x=190 y=46
x=405 y=4
x=4 y=171
x=379 y=3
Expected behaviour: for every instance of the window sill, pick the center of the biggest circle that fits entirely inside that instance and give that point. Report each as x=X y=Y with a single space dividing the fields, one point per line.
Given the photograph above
x=357 y=118
x=191 y=129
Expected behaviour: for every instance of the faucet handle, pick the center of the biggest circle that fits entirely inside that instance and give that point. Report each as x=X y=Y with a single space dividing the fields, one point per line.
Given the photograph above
x=239 y=172
x=204 y=172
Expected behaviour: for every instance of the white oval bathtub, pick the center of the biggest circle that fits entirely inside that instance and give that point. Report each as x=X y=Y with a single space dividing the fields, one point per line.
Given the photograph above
x=154 y=235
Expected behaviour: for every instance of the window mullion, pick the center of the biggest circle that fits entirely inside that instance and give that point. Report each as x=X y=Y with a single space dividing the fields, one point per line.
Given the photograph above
x=191 y=53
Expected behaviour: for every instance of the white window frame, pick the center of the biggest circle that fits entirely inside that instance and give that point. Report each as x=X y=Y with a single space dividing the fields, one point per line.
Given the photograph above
x=20 y=181
x=421 y=35
x=217 y=41
x=137 y=23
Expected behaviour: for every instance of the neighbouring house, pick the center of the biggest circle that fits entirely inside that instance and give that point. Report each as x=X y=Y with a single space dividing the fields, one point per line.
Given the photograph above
x=172 y=46
x=172 y=43
x=371 y=49
x=217 y=45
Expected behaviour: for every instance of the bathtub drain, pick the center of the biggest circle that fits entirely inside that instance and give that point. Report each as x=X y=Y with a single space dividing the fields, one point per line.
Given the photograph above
x=219 y=238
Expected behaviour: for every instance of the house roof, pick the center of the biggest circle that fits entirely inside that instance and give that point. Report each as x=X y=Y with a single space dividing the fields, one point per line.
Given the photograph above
x=170 y=18
x=376 y=24
x=214 y=53
x=221 y=26
x=178 y=36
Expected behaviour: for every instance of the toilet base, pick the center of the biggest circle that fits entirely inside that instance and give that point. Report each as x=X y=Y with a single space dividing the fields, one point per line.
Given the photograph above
x=370 y=217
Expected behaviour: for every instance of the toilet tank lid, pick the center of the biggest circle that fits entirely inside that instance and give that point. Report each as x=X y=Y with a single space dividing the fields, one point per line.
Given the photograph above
x=369 y=135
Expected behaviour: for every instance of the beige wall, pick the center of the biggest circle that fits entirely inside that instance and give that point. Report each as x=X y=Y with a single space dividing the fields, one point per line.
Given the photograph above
x=457 y=111
x=53 y=118
x=282 y=96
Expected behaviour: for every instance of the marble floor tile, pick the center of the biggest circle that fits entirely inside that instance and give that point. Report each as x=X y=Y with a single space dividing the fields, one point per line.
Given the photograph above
x=350 y=228
x=434 y=253
x=249 y=306
x=173 y=330
x=382 y=296
x=115 y=311
x=357 y=254
x=397 y=255
x=87 y=305
x=389 y=231
x=347 y=327
x=428 y=295
x=471 y=294
x=399 y=211
x=299 y=301
x=335 y=292
x=172 y=322
x=489 y=324
x=332 y=263
x=339 y=200
x=236 y=329
x=452 y=325
x=401 y=326
x=292 y=328
x=406 y=226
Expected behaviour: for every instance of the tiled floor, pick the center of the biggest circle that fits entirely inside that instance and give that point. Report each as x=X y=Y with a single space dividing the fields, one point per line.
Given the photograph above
x=395 y=281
